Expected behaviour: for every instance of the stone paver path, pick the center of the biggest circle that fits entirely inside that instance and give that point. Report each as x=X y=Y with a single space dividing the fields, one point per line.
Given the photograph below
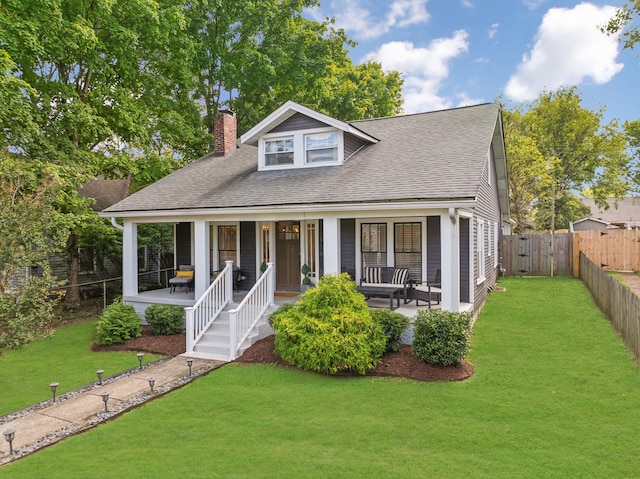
x=75 y=411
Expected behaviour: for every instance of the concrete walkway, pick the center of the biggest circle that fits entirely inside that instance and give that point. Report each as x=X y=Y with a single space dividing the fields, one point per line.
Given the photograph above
x=49 y=422
x=633 y=281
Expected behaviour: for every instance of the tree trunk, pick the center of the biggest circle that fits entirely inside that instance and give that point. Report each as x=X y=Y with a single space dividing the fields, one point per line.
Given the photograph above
x=72 y=298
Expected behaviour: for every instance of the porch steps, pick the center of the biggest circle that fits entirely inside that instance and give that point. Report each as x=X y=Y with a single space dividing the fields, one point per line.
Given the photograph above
x=215 y=343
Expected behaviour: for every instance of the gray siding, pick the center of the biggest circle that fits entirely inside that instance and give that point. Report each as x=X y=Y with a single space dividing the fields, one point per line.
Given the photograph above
x=352 y=144
x=183 y=243
x=465 y=293
x=248 y=254
x=348 y=246
x=434 y=260
x=488 y=209
x=298 y=122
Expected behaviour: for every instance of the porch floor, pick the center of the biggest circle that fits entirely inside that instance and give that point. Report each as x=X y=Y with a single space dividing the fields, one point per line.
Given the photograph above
x=182 y=298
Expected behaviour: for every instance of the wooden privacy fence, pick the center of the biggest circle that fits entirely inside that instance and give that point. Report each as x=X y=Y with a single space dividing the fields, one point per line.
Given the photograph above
x=613 y=250
x=530 y=255
x=619 y=304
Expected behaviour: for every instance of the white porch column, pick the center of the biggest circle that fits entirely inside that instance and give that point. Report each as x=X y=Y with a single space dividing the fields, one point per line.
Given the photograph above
x=201 y=257
x=450 y=260
x=130 y=259
x=331 y=240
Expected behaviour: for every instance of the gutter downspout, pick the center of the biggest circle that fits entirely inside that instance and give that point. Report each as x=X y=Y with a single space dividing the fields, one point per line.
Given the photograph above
x=116 y=225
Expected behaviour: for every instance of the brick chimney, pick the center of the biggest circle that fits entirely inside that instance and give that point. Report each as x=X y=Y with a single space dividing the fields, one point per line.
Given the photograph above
x=224 y=132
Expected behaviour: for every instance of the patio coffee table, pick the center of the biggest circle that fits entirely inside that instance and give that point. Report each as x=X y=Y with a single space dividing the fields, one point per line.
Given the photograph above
x=382 y=292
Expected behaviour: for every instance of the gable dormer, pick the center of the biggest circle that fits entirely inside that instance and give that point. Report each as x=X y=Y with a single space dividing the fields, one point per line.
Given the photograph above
x=295 y=136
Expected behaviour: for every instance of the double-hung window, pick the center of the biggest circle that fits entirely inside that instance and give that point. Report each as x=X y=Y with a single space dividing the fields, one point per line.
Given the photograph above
x=278 y=151
x=321 y=147
x=374 y=244
x=408 y=248
x=227 y=245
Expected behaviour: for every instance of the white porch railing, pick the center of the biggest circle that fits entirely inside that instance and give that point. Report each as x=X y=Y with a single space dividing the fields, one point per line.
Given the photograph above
x=202 y=314
x=243 y=319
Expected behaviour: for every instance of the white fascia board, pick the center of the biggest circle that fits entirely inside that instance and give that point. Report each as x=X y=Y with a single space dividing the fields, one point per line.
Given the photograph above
x=259 y=213
x=288 y=110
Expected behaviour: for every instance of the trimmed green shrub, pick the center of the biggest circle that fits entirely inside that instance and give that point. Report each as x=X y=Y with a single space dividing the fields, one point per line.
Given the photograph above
x=441 y=337
x=393 y=325
x=118 y=323
x=330 y=330
x=273 y=318
x=165 y=319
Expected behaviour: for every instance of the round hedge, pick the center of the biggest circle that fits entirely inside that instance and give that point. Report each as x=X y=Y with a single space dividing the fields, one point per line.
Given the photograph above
x=330 y=330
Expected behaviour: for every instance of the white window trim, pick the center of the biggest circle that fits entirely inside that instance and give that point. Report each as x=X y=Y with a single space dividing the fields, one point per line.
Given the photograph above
x=480 y=253
x=299 y=150
x=214 y=243
x=390 y=221
x=496 y=243
x=314 y=275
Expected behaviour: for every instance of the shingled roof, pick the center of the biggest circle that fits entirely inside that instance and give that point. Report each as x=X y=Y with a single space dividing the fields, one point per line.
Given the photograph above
x=429 y=156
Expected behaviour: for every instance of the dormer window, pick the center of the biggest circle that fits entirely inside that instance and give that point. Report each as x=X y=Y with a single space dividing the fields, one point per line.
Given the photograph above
x=278 y=152
x=321 y=147
x=301 y=148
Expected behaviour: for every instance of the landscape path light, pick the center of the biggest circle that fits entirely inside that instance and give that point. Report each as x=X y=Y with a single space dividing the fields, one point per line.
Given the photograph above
x=9 y=435
x=152 y=381
x=105 y=398
x=189 y=363
x=140 y=359
x=54 y=387
x=100 y=372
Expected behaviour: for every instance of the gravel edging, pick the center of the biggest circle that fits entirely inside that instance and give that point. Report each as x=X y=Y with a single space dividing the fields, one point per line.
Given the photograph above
x=115 y=410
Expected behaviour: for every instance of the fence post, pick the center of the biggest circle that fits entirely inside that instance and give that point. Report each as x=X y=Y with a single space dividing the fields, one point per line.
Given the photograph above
x=189 y=328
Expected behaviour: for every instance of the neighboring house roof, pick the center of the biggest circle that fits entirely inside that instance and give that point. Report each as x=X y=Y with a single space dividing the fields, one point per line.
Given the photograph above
x=437 y=156
x=624 y=212
x=589 y=224
x=105 y=192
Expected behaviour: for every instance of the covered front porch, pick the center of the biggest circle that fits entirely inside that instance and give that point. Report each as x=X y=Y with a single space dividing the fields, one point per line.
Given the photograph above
x=423 y=241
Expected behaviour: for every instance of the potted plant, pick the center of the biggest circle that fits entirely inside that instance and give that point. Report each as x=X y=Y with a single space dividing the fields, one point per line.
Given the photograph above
x=306 y=281
x=263 y=268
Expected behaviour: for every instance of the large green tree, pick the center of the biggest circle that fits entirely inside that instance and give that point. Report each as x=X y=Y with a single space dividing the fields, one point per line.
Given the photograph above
x=568 y=151
x=253 y=56
x=103 y=86
x=130 y=87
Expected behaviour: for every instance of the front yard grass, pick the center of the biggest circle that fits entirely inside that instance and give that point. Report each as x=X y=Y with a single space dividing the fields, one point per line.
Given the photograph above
x=555 y=394
x=66 y=358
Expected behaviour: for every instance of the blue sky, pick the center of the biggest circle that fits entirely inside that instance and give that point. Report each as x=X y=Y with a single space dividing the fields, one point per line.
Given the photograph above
x=462 y=52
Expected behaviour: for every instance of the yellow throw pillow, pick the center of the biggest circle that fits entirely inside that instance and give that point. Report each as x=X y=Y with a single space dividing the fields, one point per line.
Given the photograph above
x=184 y=274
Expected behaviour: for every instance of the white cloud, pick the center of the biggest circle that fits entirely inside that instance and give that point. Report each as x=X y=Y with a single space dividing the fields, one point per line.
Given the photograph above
x=407 y=12
x=533 y=4
x=569 y=50
x=467 y=3
x=493 y=31
x=423 y=69
x=357 y=20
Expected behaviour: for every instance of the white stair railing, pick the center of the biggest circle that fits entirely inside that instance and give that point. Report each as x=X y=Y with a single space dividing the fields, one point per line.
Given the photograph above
x=244 y=318
x=202 y=314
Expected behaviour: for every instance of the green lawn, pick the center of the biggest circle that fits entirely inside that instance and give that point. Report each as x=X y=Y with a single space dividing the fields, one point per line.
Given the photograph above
x=65 y=358
x=555 y=395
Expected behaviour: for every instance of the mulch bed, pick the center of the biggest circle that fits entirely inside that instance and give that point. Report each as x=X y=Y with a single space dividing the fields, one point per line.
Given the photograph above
x=395 y=364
